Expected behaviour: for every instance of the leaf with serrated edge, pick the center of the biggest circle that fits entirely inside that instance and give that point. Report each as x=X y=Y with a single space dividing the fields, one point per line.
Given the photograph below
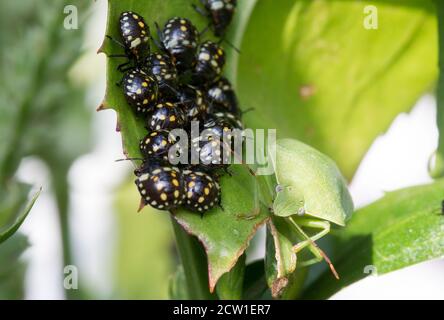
x=239 y=205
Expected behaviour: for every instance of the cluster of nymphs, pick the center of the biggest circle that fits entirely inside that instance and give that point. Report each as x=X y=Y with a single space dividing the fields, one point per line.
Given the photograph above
x=180 y=83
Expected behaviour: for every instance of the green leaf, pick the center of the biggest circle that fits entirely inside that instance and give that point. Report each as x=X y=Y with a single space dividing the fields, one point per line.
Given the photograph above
x=143 y=257
x=230 y=285
x=311 y=182
x=225 y=234
x=311 y=70
x=255 y=284
x=14 y=208
x=402 y=229
x=280 y=260
x=12 y=270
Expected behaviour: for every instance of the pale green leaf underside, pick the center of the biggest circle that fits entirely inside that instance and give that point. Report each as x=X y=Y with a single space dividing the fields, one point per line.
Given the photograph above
x=225 y=234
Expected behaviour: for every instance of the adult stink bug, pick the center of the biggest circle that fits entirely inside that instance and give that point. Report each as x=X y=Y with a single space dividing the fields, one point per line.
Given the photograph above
x=312 y=193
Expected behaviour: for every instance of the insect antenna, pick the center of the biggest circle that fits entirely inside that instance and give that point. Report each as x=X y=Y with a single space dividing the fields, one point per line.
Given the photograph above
x=247 y=110
x=129 y=159
x=230 y=44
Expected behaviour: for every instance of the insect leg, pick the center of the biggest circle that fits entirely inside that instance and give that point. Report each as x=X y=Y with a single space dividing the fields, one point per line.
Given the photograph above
x=310 y=242
x=200 y=10
x=324 y=226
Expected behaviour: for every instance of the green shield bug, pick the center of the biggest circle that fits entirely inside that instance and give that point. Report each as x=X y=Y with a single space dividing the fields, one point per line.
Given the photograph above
x=309 y=192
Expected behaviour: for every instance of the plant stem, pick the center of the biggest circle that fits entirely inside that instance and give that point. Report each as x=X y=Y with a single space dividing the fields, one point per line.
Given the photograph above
x=61 y=191
x=194 y=263
x=438 y=170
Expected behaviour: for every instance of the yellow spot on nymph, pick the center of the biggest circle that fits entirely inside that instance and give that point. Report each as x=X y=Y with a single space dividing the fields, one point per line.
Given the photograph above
x=135 y=16
x=183 y=28
x=141 y=24
x=201 y=199
x=172 y=118
x=164 y=143
x=176 y=194
x=176 y=182
x=207 y=191
x=191 y=184
x=139 y=91
x=145 y=101
x=145 y=84
x=163 y=196
x=189 y=194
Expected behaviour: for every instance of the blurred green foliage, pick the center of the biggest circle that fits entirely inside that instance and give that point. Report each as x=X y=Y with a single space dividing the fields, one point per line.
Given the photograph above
x=12 y=269
x=311 y=69
x=43 y=111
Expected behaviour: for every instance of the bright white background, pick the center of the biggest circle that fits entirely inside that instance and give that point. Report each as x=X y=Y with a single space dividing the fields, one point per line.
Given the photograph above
x=397 y=159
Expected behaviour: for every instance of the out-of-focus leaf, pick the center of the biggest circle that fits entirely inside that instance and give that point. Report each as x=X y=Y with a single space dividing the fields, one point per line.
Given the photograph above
x=255 y=284
x=178 y=285
x=230 y=285
x=14 y=207
x=404 y=228
x=311 y=70
x=437 y=170
x=309 y=181
x=12 y=270
x=43 y=112
x=144 y=254
x=225 y=234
